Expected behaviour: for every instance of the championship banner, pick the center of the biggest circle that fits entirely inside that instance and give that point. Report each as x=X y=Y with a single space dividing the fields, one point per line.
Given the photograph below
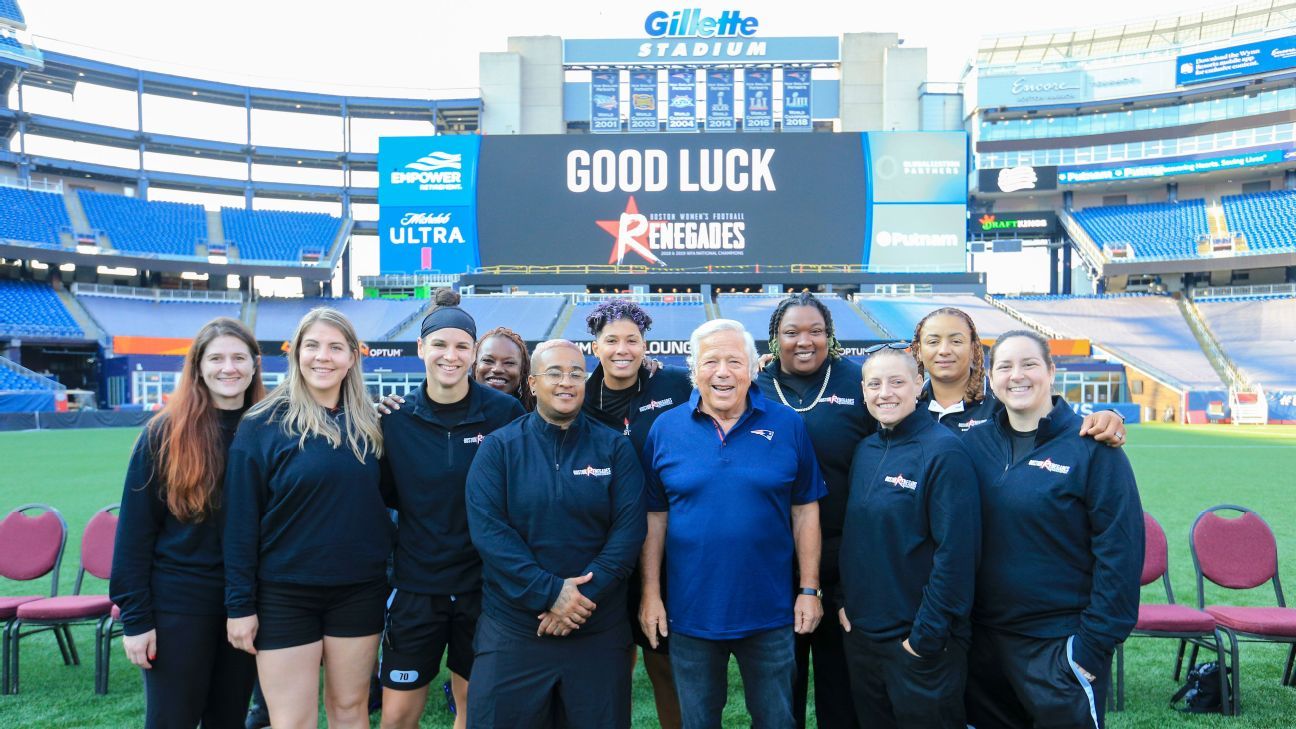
x=758 y=107
x=643 y=101
x=605 y=101
x=796 y=100
x=681 y=92
x=720 y=100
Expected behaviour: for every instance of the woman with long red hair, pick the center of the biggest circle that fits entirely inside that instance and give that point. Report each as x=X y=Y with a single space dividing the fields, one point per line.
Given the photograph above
x=168 y=575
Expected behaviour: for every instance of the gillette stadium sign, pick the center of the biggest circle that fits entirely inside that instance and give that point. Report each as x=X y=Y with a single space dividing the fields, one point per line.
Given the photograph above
x=694 y=36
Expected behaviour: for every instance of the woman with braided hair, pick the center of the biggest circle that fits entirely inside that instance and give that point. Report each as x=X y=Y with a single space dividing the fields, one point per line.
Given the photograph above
x=810 y=375
x=502 y=364
x=950 y=355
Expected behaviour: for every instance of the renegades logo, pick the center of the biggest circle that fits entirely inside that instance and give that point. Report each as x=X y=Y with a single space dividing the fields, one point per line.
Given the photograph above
x=635 y=233
x=1048 y=465
x=475 y=440
x=836 y=400
x=592 y=471
x=655 y=404
x=901 y=481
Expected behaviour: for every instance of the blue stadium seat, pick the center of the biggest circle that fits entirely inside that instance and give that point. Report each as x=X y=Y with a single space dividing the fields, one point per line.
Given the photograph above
x=11 y=381
x=1258 y=334
x=1157 y=230
x=30 y=309
x=10 y=42
x=372 y=318
x=31 y=217
x=670 y=321
x=1265 y=218
x=278 y=235
x=145 y=318
x=142 y=226
x=9 y=10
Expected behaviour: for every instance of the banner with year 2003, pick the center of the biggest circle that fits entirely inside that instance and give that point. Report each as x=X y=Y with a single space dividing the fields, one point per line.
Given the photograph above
x=643 y=101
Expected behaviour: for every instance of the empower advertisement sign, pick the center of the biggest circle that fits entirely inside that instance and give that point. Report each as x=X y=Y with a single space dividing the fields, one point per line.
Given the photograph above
x=1275 y=54
x=688 y=201
x=427 y=197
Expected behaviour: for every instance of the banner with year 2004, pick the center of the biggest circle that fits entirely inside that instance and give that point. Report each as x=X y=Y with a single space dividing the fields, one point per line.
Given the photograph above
x=681 y=95
x=643 y=101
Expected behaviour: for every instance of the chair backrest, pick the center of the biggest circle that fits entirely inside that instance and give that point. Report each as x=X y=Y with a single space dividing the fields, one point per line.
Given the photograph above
x=1156 y=558
x=97 y=545
x=32 y=546
x=1238 y=554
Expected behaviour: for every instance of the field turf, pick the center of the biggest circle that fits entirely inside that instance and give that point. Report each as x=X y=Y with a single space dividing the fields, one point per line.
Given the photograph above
x=1180 y=471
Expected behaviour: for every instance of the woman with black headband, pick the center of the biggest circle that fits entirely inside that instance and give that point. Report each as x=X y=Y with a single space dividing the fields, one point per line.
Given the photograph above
x=810 y=376
x=624 y=394
x=431 y=443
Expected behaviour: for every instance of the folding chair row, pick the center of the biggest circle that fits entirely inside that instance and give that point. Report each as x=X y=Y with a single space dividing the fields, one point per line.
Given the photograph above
x=32 y=540
x=1238 y=553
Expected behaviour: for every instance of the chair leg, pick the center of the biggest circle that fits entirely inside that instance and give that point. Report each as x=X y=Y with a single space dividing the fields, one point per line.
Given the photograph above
x=4 y=660
x=1235 y=664
x=1288 y=678
x=67 y=631
x=62 y=644
x=1192 y=657
x=15 y=647
x=1179 y=659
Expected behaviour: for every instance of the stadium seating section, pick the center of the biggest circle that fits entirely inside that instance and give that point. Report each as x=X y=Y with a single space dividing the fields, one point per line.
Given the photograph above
x=670 y=322
x=1143 y=330
x=1265 y=218
x=11 y=380
x=33 y=217
x=10 y=42
x=1259 y=335
x=753 y=311
x=277 y=235
x=900 y=314
x=145 y=318
x=29 y=309
x=372 y=318
x=9 y=10
x=142 y=226
x=1157 y=230
x=532 y=317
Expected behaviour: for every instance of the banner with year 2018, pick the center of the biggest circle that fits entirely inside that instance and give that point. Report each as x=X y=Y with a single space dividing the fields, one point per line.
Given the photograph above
x=605 y=101
x=681 y=95
x=643 y=101
x=796 y=100
x=720 y=100
x=758 y=104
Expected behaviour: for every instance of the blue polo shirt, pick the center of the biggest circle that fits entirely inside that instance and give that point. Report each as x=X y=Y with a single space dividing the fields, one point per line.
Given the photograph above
x=729 y=546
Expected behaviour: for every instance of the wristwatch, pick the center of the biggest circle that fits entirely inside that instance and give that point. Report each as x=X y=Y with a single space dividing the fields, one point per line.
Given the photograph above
x=811 y=591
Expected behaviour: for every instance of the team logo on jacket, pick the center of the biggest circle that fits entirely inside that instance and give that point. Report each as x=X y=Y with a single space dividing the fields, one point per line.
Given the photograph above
x=592 y=471
x=657 y=404
x=1048 y=465
x=901 y=481
x=766 y=434
x=835 y=400
x=967 y=425
x=475 y=440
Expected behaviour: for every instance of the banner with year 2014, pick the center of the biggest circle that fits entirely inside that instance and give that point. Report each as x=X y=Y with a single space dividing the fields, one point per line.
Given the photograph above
x=720 y=100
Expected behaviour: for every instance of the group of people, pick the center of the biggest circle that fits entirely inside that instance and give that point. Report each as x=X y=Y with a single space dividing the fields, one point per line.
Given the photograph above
x=936 y=532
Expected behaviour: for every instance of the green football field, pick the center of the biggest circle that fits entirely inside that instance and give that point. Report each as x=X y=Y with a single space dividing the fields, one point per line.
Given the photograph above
x=1180 y=471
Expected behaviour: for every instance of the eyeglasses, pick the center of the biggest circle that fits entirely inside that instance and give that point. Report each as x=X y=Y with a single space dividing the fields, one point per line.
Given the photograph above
x=886 y=345
x=554 y=377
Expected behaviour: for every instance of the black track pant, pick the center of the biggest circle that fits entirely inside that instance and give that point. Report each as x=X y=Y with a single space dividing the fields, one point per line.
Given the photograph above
x=197 y=675
x=1019 y=682
x=834 y=707
x=896 y=690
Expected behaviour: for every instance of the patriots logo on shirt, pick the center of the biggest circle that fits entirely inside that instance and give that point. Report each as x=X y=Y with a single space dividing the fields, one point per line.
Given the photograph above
x=766 y=434
x=592 y=471
x=901 y=481
x=475 y=440
x=1048 y=465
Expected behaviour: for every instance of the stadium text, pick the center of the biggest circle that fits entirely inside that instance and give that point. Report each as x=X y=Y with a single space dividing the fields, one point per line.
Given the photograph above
x=633 y=170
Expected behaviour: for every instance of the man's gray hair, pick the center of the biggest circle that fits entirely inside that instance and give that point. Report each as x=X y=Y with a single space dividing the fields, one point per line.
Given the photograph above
x=721 y=325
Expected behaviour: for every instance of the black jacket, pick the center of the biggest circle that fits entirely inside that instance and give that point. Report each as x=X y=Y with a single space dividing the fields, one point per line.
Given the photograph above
x=665 y=389
x=913 y=531
x=310 y=515
x=546 y=504
x=424 y=469
x=159 y=562
x=1062 y=544
x=972 y=414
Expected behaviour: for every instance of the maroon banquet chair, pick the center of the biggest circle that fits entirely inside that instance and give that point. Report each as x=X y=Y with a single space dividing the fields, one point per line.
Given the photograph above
x=59 y=614
x=30 y=548
x=1169 y=620
x=1240 y=554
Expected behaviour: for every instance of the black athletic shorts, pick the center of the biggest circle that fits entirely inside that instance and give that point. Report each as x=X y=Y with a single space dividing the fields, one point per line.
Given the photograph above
x=291 y=615
x=419 y=629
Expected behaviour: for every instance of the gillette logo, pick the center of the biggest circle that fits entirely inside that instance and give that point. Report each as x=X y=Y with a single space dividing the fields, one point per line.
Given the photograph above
x=1050 y=466
x=691 y=23
x=592 y=471
x=435 y=171
x=655 y=404
x=901 y=481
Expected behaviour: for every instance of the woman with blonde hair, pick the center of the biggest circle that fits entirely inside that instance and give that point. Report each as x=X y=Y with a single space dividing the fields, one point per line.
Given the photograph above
x=168 y=573
x=307 y=534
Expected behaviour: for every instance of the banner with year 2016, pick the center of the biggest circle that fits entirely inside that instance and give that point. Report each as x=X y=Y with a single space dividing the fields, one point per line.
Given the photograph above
x=758 y=105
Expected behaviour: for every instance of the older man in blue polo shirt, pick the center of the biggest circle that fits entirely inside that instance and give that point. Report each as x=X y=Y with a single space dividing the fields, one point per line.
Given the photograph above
x=732 y=486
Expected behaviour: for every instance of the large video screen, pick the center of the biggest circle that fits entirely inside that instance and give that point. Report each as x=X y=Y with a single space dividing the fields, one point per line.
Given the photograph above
x=689 y=201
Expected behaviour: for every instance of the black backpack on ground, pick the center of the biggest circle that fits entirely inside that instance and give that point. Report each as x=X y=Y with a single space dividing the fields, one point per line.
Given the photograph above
x=1201 y=692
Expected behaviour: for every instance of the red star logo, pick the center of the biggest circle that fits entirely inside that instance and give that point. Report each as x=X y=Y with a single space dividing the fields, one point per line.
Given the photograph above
x=630 y=231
